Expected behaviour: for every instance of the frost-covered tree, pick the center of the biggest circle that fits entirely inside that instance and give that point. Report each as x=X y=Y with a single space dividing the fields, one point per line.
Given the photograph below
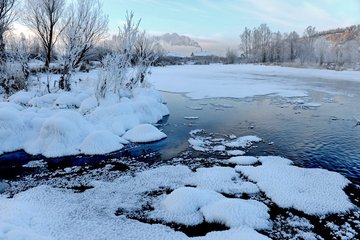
x=231 y=56
x=126 y=68
x=15 y=71
x=306 y=53
x=7 y=16
x=86 y=25
x=43 y=18
x=293 y=46
x=147 y=51
x=116 y=66
x=245 y=45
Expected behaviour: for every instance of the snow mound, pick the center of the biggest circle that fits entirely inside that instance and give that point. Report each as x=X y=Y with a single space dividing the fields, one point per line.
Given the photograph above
x=60 y=135
x=69 y=100
x=243 y=160
x=101 y=142
x=88 y=104
x=12 y=129
x=46 y=100
x=220 y=179
x=243 y=142
x=22 y=97
x=237 y=213
x=183 y=204
x=313 y=191
x=144 y=133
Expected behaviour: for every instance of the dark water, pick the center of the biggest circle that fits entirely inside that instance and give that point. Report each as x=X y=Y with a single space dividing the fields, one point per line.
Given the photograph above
x=325 y=136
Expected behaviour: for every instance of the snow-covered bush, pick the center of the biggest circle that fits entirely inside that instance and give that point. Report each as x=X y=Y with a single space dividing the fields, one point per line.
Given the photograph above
x=126 y=68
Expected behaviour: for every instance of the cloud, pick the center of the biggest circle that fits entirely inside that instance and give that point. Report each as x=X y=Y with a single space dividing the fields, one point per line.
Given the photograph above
x=175 y=39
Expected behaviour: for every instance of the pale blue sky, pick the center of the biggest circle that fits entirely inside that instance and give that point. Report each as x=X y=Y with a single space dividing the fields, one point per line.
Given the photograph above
x=220 y=22
x=225 y=18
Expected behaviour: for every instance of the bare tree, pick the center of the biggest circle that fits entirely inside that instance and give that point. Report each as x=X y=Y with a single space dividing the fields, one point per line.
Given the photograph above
x=86 y=25
x=7 y=16
x=43 y=18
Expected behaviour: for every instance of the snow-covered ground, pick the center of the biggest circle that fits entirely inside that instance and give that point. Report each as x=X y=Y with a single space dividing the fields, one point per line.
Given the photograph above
x=70 y=123
x=120 y=209
x=240 y=81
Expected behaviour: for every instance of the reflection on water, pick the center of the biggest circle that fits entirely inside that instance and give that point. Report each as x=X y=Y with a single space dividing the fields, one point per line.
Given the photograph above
x=325 y=136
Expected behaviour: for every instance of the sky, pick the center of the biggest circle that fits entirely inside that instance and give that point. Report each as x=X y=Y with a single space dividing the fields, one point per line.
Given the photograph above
x=217 y=24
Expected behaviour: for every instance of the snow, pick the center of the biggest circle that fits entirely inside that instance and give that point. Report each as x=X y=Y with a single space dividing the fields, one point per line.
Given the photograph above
x=210 y=144
x=60 y=135
x=101 y=142
x=69 y=123
x=243 y=141
x=144 y=133
x=238 y=213
x=183 y=204
x=235 y=152
x=243 y=160
x=234 y=234
x=313 y=191
x=221 y=179
x=241 y=81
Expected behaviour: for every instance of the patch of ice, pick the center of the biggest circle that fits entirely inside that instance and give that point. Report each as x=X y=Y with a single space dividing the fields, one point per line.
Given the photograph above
x=243 y=142
x=312 y=105
x=144 y=133
x=243 y=160
x=235 y=152
x=236 y=213
x=191 y=118
x=196 y=108
x=35 y=164
x=313 y=191
x=219 y=148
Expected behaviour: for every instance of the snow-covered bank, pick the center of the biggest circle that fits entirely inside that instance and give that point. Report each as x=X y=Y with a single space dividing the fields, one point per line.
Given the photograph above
x=69 y=123
x=113 y=210
x=240 y=81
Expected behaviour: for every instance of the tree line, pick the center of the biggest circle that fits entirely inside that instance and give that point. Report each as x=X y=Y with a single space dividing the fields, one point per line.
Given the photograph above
x=261 y=45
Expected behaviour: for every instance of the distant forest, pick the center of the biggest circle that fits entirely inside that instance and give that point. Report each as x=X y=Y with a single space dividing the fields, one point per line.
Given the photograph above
x=334 y=49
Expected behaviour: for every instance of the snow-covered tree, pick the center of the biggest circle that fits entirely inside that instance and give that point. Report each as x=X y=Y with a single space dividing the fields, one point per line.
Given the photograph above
x=231 y=56
x=15 y=71
x=147 y=51
x=43 y=18
x=86 y=26
x=116 y=66
x=245 y=45
x=7 y=16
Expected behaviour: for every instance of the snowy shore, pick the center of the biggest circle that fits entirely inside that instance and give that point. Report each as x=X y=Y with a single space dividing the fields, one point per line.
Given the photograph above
x=70 y=123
